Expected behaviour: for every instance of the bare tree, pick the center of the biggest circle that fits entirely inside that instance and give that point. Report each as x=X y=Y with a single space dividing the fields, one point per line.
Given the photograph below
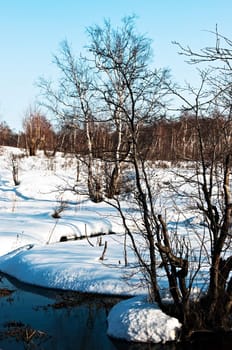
x=131 y=94
x=73 y=104
x=7 y=137
x=208 y=105
x=38 y=132
x=213 y=176
x=106 y=45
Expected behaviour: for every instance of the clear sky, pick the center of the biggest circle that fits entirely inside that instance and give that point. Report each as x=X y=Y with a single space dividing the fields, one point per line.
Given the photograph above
x=31 y=31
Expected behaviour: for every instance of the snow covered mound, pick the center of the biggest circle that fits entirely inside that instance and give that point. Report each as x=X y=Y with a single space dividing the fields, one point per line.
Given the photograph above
x=137 y=320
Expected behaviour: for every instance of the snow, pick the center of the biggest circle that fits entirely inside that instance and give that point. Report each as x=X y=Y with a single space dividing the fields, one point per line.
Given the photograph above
x=31 y=250
x=70 y=266
x=138 y=320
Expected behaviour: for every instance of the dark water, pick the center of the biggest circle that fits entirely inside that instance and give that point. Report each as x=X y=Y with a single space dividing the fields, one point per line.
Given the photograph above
x=38 y=318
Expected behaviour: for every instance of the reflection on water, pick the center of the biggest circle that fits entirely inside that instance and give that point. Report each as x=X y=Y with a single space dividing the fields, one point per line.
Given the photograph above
x=39 y=318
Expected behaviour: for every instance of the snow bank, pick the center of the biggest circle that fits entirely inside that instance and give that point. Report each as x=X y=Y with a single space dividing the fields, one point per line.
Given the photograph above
x=73 y=265
x=139 y=321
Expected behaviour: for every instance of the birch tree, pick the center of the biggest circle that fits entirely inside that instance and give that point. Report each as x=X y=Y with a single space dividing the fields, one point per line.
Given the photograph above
x=129 y=90
x=73 y=103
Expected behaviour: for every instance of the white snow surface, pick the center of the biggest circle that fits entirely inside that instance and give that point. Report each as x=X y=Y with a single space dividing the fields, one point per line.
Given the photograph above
x=31 y=251
x=137 y=320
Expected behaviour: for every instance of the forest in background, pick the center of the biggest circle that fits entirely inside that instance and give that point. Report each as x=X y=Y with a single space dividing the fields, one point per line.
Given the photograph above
x=163 y=139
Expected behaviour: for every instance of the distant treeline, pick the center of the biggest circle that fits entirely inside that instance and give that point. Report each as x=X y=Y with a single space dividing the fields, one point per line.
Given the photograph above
x=172 y=140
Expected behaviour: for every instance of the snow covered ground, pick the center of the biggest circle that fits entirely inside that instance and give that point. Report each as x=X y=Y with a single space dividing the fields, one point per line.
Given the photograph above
x=31 y=251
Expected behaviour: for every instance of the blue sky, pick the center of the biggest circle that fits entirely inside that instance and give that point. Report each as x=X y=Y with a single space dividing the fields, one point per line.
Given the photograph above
x=31 y=31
